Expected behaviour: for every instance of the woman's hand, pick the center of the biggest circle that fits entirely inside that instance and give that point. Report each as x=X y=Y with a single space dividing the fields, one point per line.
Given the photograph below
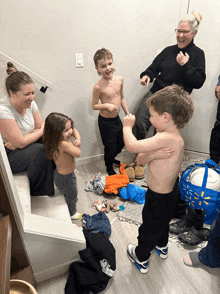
x=182 y=59
x=10 y=146
x=145 y=81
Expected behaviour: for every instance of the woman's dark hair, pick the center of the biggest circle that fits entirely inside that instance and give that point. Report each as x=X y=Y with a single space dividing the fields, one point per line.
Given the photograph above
x=54 y=126
x=16 y=78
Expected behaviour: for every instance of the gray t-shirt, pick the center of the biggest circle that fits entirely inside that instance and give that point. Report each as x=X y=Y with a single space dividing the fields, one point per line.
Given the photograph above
x=25 y=123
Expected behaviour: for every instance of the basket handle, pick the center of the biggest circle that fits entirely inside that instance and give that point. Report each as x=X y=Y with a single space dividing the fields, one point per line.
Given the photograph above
x=210 y=163
x=204 y=182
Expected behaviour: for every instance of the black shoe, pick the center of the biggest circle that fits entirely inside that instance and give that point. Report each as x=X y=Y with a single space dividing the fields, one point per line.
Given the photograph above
x=110 y=171
x=194 y=218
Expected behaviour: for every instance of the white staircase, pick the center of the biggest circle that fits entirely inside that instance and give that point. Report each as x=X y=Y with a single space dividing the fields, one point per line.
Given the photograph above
x=51 y=240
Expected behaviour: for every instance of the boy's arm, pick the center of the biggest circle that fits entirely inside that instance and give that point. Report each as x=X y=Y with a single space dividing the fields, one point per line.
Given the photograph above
x=141 y=146
x=99 y=106
x=123 y=101
x=163 y=153
x=77 y=137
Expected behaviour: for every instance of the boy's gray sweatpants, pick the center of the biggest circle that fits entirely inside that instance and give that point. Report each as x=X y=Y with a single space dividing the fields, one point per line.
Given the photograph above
x=67 y=185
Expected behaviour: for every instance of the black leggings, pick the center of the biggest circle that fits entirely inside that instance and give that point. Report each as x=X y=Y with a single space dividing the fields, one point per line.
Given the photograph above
x=112 y=138
x=214 y=145
x=157 y=213
x=39 y=168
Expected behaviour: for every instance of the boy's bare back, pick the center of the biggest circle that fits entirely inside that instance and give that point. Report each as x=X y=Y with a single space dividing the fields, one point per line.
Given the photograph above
x=110 y=93
x=162 y=173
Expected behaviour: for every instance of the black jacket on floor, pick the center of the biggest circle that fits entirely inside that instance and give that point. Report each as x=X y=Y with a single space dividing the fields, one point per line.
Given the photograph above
x=98 y=267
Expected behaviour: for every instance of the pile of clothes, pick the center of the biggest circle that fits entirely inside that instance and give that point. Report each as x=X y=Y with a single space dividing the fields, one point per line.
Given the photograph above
x=98 y=264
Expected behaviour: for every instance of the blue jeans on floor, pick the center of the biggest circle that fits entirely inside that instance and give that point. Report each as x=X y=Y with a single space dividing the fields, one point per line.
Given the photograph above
x=67 y=185
x=210 y=255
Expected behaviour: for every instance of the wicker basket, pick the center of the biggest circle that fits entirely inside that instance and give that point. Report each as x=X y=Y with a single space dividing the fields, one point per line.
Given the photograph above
x=21 y=287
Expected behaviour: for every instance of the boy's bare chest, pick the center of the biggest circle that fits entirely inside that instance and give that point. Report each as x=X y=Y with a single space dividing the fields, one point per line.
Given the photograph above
x=111 y=90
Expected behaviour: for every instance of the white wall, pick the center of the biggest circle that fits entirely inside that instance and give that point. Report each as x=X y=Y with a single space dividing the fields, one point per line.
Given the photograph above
x=197 y=132
x=45 y=35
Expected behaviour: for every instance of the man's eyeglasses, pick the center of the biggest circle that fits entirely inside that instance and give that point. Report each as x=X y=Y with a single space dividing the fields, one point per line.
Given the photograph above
x=183 y=32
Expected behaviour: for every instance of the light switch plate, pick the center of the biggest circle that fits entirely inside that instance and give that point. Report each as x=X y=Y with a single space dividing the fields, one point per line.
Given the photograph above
x=79 y=59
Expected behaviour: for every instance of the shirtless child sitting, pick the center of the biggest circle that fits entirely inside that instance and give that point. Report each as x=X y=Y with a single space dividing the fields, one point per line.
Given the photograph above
x=109 y=90
x=170 y=109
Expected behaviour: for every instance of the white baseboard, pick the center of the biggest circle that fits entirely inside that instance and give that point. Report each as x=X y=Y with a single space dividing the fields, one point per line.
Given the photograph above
x=196 y=154
x=87 y=160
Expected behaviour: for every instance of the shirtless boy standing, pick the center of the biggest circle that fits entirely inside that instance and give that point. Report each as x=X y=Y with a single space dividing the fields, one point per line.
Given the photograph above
x=170 y=109
x=109 y=90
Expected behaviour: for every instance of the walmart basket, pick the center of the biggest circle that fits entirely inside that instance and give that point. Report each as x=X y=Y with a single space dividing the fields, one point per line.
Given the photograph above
x=201 y=192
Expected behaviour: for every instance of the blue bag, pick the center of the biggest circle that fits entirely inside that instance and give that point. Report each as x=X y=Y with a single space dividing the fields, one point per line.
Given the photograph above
x=198 y=197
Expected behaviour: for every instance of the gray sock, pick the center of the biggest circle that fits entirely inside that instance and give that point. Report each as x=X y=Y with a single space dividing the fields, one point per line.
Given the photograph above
x=194 y=258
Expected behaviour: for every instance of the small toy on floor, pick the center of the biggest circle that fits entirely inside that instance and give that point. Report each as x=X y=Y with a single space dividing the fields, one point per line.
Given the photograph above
x=111 y=206
x=106 y=206
x=100 y=206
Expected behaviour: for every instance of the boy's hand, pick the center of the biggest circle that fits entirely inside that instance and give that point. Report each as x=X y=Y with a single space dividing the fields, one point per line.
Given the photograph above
x=111 y=107
x=129 y=120
x=164 y=153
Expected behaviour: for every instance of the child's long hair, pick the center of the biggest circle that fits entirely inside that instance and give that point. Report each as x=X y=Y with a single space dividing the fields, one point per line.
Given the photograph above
x=54 y=126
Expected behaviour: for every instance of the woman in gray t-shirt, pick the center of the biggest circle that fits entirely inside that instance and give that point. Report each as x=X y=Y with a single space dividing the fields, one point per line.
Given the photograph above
x=22 y=127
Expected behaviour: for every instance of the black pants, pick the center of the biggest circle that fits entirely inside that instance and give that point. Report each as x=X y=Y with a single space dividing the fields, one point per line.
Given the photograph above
x=112 y=138
x=142 y=123
x=214 y=145
x=157 y=214
x=39 y=168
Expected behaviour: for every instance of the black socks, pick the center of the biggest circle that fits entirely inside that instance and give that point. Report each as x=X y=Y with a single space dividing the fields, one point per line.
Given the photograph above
x=110 y=171
x=117 y=162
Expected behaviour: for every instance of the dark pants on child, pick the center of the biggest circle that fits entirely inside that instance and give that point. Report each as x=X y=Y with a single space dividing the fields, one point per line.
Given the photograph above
x=142 y=123
x=39 y=168
x=214 y=145
x=67 y=185
x=157 y=213
x=112 y=138
x=210 y=255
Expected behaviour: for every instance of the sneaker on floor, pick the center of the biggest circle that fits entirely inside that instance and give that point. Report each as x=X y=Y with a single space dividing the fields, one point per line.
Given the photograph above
x=77 y=215
x=162 y=251
x=141 y=266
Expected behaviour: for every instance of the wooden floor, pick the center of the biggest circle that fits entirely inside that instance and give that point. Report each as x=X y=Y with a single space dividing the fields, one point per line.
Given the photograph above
x=170 y=276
